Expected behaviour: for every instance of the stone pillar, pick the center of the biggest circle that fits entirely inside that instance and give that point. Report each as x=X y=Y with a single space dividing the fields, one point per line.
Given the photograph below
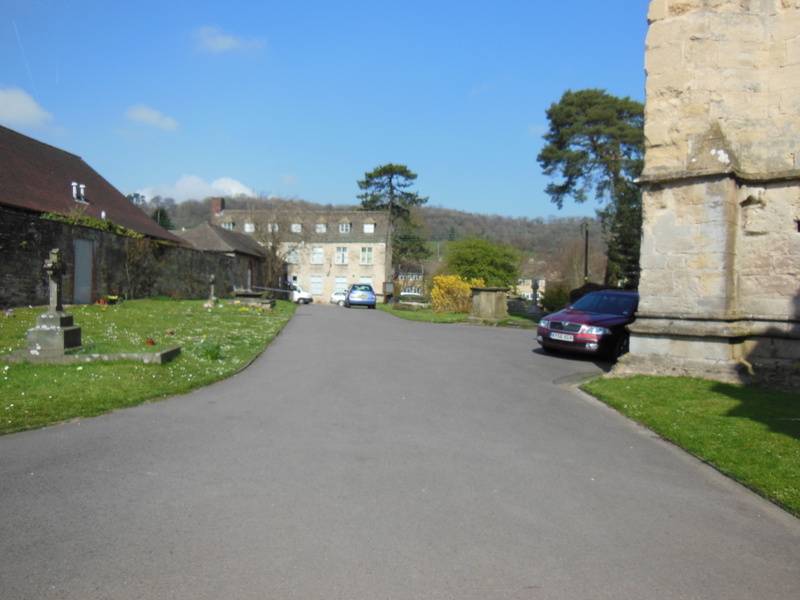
x=720 y=283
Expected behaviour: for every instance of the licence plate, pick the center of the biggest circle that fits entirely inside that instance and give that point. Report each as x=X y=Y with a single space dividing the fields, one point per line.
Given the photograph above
x=564 y=337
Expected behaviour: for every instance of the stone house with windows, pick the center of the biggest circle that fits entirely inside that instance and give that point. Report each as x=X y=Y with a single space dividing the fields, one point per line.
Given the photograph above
x=410 y=279
x=323 y=251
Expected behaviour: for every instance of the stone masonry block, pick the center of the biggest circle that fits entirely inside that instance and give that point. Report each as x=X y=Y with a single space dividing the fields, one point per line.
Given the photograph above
x=657 y=10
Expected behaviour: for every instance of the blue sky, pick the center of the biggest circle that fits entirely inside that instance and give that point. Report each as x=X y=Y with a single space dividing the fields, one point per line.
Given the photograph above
x=300 y=98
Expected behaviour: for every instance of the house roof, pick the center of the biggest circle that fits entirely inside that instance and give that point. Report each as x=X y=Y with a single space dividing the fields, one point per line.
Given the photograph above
x=284 y=217
x=211 y=238
x=37 y=177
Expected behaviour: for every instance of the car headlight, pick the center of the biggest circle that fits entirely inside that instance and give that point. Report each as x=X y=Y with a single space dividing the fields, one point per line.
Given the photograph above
x=591 y=330
x=544 y=323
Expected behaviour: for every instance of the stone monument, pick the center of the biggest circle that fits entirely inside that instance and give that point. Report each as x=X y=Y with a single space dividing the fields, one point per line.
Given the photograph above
x=54 y=332
x=489 y=303
x=720 y=259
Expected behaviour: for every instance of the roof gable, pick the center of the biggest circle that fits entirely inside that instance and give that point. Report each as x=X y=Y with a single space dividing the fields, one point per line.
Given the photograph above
x=37 y=177
x=212 y=238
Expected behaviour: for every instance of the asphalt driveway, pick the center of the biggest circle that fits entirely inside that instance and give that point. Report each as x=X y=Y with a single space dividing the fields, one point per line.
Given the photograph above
x=366 y=457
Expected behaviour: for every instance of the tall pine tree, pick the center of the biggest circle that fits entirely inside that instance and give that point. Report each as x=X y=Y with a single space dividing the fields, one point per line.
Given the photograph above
x=595 y=146
x=386 y=188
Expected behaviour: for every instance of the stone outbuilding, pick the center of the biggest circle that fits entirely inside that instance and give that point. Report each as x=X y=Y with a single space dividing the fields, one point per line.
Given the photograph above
x=211 y=238
x=50 y=198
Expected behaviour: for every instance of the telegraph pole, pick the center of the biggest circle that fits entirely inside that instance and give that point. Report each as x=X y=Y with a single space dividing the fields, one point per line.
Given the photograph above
x=585 y=231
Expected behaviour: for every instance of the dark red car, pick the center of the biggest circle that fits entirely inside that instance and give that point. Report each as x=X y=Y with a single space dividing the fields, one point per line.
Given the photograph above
x=595 y=324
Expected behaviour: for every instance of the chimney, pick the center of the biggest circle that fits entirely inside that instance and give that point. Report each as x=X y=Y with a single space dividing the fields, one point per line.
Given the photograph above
x=217 y=207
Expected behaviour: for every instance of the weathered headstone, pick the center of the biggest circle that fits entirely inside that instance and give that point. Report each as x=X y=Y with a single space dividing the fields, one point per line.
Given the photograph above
x=489 y=303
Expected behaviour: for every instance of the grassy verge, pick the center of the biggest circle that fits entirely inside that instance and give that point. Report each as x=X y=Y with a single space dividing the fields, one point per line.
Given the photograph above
x=414 y=313
x=215 y=343
x=428 y=315
x=749 y=433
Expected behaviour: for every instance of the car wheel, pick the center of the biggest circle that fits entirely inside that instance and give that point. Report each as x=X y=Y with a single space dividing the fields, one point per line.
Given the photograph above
x=372 y=306
x=341 y=303
x=621 y=346
x=549 y=350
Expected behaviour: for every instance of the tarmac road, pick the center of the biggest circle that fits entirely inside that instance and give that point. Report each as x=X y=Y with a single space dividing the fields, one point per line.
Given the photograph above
x=367 y=457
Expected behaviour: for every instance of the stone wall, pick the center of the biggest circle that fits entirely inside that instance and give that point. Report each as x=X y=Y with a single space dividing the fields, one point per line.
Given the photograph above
x=728 y=69
x=130 y=267
x=720 y=280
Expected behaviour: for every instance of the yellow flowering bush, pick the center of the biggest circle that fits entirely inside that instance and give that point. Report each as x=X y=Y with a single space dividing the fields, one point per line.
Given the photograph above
x=452 y=293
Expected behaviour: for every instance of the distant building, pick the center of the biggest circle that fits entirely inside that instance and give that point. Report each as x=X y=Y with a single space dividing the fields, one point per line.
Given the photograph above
x=211 y=238
x=410 y=279
x=323 y=251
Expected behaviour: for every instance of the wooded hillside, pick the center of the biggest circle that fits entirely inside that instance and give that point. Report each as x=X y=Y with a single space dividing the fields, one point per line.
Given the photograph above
x=539 y=237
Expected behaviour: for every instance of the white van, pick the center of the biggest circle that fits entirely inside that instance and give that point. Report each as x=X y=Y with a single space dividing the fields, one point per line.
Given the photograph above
x=296 y=294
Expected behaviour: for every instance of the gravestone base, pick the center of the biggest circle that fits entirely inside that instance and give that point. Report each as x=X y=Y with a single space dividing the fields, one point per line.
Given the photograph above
x=54 y=333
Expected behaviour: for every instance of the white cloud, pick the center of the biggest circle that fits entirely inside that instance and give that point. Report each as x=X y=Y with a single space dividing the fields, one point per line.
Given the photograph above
x=192 y=187
x=230 y=187
x=19 y=109
x=212 y=39
x=150 y=116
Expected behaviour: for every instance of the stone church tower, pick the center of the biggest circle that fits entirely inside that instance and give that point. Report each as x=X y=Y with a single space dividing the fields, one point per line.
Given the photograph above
x=720 y=259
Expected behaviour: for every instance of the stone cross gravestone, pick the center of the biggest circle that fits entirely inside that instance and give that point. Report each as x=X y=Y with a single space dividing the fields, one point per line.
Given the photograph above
x=54 y=331
x=54 y=269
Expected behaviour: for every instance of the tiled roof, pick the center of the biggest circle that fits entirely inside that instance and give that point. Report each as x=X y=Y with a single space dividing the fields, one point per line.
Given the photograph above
x=37 y=177
x=211 y=238
x=309 y=219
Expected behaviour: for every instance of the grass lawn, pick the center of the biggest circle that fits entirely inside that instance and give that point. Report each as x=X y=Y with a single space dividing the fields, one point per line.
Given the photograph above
x=749 y=433
x=416 y=313
x=215 y=343
x=428 y=315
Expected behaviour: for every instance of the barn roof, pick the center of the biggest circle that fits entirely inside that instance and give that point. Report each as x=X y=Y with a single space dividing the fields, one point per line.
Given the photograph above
x=38 y=177
x=211 y=238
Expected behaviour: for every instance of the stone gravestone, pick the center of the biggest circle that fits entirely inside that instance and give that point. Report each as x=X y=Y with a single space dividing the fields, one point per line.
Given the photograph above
x=489 y=304
x=54 y=331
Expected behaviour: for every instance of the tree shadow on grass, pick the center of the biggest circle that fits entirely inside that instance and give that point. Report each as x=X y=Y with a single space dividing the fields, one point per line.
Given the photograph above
x=780 y=411
x=776 y=400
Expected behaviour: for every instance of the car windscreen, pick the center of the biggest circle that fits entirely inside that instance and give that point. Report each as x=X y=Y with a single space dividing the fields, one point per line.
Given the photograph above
x=607 y=304
x=362 y=288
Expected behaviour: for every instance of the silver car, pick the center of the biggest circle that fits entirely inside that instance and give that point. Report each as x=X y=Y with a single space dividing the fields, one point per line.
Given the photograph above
x=338 y=298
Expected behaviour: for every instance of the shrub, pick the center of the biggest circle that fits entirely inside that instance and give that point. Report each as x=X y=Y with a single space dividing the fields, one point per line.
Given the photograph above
x=555 y=297
x=477 y=258
x=452 y=294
